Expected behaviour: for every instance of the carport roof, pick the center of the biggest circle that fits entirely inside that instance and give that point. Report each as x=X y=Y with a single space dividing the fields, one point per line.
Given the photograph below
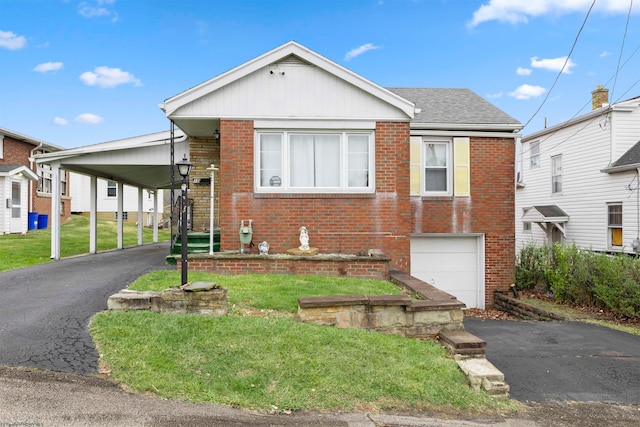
x=142 y=161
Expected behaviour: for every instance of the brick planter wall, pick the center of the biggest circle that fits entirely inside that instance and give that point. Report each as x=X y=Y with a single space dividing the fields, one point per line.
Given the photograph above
x=322 y=265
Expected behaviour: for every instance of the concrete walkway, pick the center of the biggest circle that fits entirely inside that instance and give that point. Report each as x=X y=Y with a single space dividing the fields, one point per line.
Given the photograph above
x=45 y=309
x=563 y=361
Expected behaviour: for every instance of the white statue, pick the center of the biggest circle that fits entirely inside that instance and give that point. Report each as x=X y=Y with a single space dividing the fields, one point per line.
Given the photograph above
x=264 y=248
x=304 y=239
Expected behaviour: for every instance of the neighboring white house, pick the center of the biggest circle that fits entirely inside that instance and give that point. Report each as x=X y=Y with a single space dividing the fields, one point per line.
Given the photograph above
x=107 y=200
x=14 y=183
x=578 y=180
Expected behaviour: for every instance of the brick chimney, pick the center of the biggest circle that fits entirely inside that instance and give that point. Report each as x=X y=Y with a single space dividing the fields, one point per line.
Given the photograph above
x=599 y=97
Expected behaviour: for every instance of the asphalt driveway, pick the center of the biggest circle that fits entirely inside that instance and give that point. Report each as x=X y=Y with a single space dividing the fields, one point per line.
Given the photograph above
x=45 y=309
x=563 y=361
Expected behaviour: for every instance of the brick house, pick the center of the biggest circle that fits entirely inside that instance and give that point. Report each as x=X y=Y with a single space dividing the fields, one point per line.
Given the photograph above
x=24 y=185
x=426 y=176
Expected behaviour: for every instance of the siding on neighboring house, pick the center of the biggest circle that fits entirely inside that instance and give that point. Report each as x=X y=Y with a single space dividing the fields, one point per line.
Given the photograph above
x=587 y=145
x=107 y=206
x=16 y=151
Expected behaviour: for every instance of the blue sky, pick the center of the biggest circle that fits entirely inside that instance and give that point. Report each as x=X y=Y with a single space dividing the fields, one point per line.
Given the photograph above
x=74 y=73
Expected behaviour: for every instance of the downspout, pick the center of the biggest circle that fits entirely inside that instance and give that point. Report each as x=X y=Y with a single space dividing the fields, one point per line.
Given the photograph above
x=31 y=159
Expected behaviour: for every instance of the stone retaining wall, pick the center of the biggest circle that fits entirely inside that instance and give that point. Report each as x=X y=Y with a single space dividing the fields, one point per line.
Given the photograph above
x=523 y=310
x=395 y=314
x=211 y=302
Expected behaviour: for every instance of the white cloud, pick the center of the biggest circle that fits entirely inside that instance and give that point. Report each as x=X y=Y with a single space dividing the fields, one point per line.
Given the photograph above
x=495 y=95
x=88 y=118
x=108 y=77
x=519 y=11
x=12 y=41
x=48 y=66
x=59 y=121
x=553 y=64
x=604 y=54
x=523 y=71
x=98 y=9
x=359 y=51
x=527 y=92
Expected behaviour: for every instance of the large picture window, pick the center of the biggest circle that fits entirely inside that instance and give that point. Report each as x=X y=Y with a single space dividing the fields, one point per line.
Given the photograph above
x=437 y=167
x=314 y=162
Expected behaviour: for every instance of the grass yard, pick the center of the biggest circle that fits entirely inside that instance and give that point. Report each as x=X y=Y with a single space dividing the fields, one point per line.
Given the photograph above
x=269 y=291
x=259 y=357
x=22 y=250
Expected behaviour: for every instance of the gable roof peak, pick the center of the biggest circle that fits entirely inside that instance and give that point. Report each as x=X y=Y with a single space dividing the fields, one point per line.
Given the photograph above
x=285 y=52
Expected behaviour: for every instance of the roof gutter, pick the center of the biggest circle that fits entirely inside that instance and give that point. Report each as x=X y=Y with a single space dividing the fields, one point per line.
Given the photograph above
x=622 y=168
x=468 y=126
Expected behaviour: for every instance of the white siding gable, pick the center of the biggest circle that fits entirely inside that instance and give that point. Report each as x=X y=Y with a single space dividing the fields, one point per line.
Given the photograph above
x=290 y=89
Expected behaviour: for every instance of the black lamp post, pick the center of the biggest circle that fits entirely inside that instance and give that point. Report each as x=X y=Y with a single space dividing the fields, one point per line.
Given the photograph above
x=184 y=167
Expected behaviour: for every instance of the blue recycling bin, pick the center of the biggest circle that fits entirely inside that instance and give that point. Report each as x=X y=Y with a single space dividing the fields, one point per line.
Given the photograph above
x=43 y=221
x=33 y=221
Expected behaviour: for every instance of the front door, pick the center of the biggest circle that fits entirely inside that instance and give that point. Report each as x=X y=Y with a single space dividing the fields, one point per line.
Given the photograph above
x=16 y=206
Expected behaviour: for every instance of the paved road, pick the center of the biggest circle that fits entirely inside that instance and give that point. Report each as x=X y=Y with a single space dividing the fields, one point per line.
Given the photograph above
x=563 y=361
x=37 y=398
x=45 y=309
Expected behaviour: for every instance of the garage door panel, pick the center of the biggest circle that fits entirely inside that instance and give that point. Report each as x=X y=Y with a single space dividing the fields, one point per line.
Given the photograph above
x=451 y=264
x=448 y=262
x=443 y=244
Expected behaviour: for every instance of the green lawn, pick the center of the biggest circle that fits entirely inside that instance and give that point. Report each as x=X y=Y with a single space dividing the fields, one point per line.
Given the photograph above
x=22 y=250
x=261 y=358
x=269 y=291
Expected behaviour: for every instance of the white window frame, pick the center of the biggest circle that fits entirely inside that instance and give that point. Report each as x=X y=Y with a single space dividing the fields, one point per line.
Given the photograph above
x=611 y=226
x=114 y=187
x=526 y=225
x=1 y=146
x=45 y=179
x=448 y=167
x=534 y=154
x=285 y=180
x=556 y=174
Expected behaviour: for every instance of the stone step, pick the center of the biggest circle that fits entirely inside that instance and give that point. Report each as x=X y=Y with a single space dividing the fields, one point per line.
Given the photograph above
x=462 y=342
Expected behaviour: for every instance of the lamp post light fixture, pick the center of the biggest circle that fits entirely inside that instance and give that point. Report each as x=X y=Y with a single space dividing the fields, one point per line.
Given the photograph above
x=184 y=167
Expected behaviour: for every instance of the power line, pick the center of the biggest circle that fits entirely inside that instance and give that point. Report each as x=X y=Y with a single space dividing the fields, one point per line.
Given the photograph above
x=575 y=41
x=568 y=123
x=624 y=36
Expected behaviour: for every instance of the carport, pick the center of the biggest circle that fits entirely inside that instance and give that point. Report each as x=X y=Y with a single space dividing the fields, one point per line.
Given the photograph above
x=143 y=162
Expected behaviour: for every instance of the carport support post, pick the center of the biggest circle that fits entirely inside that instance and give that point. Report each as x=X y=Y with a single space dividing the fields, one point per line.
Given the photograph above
x=140 y=219
x=155 y=216
x=56 y=199
x=93 y=215
x=120 y=215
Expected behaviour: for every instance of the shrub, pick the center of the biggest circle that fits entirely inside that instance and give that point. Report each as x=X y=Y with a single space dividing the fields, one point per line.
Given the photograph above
x=582 y=277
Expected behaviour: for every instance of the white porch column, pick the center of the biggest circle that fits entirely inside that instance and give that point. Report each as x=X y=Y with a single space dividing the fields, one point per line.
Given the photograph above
x=140 y=219
x=120 y=220
x=155 y=216
x=56 y=199
x=93 y=215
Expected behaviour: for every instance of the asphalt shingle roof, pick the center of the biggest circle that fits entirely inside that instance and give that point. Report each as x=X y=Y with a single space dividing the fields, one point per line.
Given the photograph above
x=631 y=157
x=550 y=211
x=453 y=106
x=8 y=168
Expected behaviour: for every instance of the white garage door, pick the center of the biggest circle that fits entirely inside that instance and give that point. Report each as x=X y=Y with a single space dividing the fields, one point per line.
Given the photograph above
x=451 y=263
